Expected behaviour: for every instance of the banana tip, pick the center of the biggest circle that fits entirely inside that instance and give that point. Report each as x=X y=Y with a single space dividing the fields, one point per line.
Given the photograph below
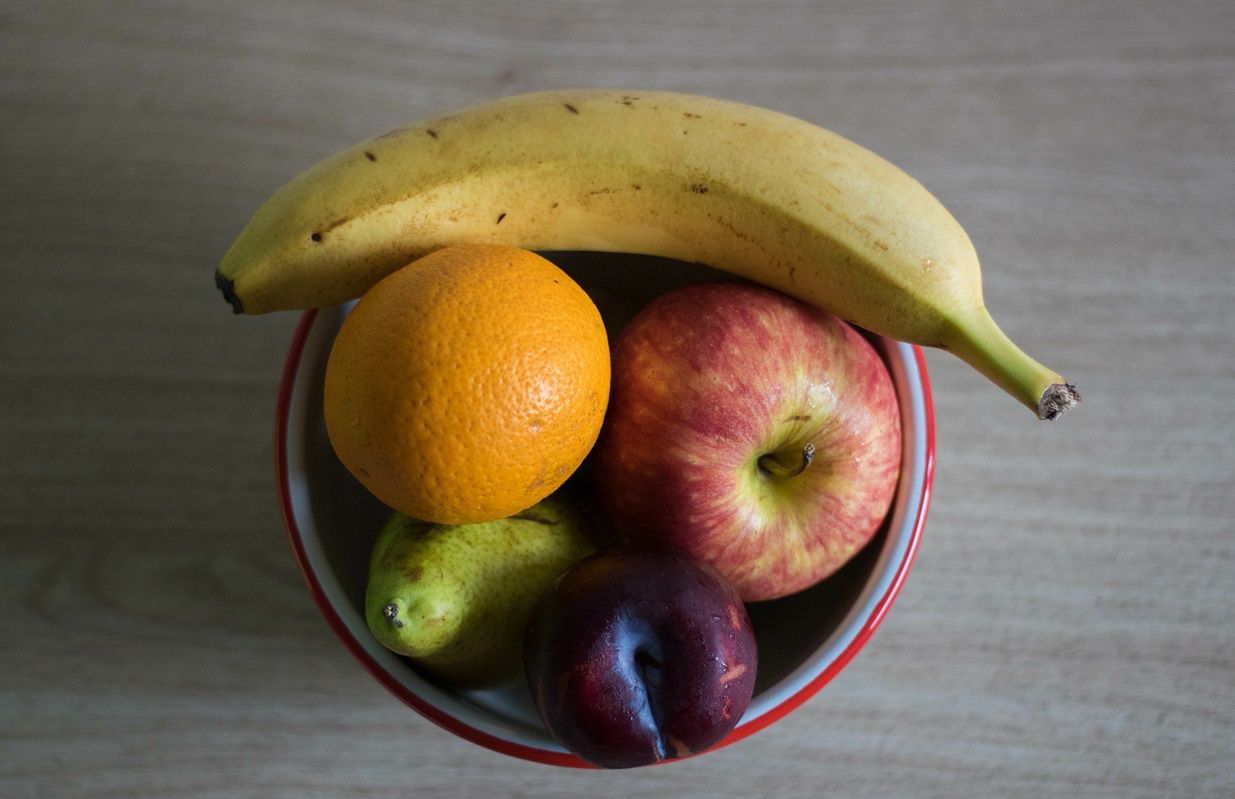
x=1057 y=398
x=228 y=287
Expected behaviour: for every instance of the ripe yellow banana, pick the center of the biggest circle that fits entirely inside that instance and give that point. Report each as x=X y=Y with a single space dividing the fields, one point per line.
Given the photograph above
x=739 y=188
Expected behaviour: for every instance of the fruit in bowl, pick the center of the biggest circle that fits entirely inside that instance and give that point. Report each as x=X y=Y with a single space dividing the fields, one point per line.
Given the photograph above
x=822 y=220
x=753 y=192
x=469 y=385
x=803 y=640
x=756 y=432
x=639 y=655
x=457 y=598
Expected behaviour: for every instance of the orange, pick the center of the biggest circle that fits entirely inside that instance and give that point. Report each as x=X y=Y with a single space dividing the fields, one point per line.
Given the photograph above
x=468 y=385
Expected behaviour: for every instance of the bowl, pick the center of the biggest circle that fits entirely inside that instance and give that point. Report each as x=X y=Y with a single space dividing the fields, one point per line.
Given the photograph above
x=804 y=640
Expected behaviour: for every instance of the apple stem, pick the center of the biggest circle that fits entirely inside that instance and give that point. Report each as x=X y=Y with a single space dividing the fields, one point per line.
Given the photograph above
x=771 y=465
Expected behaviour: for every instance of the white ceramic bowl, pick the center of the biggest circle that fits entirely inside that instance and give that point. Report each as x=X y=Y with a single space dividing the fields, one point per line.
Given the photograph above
x=804 y=640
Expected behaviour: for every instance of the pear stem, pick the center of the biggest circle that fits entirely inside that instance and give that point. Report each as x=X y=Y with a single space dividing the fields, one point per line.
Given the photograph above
x=772 y=466
x=391 y=612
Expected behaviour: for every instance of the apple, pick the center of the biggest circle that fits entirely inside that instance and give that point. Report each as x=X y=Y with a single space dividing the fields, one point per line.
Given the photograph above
x=756 y=432
x=639 y=655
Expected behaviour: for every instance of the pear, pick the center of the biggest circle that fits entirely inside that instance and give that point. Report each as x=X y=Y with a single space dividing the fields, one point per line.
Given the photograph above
x=456 y=599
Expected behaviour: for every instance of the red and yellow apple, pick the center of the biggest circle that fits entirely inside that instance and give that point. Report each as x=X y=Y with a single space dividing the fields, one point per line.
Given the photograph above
x=756 y=432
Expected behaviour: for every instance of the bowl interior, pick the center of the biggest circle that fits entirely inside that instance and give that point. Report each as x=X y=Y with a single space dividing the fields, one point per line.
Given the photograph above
x=803 y=639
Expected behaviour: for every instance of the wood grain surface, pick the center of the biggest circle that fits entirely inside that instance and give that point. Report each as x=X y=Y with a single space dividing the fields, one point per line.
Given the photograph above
x=1067 y=628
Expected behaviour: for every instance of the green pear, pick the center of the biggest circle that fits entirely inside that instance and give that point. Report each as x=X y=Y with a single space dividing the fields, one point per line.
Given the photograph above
x=457 y=598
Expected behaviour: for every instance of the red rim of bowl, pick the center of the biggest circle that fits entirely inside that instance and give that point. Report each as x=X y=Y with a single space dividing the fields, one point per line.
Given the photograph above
x=467 y=732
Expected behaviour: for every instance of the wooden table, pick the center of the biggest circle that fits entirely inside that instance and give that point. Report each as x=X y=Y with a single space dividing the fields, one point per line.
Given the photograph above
x=1067 y=628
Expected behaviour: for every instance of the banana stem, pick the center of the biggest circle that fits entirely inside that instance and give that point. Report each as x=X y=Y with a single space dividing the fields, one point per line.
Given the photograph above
x=978 y=341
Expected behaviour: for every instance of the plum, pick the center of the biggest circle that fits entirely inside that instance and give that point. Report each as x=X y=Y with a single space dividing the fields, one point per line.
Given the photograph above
x=639 y=655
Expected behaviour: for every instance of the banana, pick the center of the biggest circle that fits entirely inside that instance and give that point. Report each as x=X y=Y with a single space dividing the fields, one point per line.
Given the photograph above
x=744 y=189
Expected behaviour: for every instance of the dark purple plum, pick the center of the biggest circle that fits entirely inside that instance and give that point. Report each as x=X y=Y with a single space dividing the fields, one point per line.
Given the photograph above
x=640 y=655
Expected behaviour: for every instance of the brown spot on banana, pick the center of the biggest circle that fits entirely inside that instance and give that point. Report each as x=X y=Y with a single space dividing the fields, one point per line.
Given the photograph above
x=329 y=226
